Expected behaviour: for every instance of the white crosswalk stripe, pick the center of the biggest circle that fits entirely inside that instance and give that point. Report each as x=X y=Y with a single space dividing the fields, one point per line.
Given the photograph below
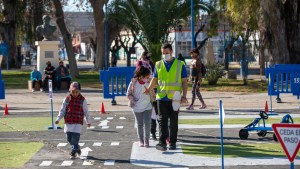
x=97 y=144
x=46 y=163
x=105 y=127
x=66 y=163
x=61 y=144
x=115 y=143
x=110 y=118
x=122 y=118
x=119 y=127
x=85 y=162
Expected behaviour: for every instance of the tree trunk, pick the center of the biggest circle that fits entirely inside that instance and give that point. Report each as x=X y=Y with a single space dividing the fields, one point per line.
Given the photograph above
x=282 y=30
x=67 y=38
x=98 y=12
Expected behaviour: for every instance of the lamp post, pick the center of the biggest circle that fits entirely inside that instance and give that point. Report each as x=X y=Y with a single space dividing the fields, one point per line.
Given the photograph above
x=192 y=23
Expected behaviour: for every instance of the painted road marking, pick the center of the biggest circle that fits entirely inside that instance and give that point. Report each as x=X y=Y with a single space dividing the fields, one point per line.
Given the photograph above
x=120 y=127
x=122 y=118
x=85 y=162
x=97 y=118
x=66 y=163
x=46 y=163
x=115 y=143
x=109 y=162
x=105 y=127
x=110 y=118
x=170 y=168
x=61 y=144
x=81 y=144
x=92 y=127
x=97 y=144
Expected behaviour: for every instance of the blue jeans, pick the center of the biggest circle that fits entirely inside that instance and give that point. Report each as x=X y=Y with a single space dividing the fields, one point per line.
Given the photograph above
x=59 y=79
x=73 y=139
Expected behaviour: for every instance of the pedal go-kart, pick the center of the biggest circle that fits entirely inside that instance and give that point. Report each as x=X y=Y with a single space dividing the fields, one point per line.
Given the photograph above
x=259 y=125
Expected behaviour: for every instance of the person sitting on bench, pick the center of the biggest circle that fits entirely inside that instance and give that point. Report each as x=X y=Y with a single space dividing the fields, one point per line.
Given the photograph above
x=62 y=73
x=36 y=76
x=49 y=74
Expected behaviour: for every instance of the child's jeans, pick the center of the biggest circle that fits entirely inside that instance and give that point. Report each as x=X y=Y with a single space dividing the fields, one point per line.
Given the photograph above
x=73 y=139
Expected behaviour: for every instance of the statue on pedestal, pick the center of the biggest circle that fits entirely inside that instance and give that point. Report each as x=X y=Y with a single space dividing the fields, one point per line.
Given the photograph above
x=46 y=29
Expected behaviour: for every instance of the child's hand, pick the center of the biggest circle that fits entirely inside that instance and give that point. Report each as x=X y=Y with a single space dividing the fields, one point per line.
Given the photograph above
x=131 y=104
x=147 y=90
x=88 y=125
x=56 y=122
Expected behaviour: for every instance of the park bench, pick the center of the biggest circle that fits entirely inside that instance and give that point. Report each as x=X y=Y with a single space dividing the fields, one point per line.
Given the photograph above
x=115 y=81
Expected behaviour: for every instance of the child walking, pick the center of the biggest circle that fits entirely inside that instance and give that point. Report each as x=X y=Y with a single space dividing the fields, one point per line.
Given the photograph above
x=141 y=104
x=73 y=110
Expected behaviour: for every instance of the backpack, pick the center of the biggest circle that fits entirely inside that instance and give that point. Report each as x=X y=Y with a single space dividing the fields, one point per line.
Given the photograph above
x=203 y=70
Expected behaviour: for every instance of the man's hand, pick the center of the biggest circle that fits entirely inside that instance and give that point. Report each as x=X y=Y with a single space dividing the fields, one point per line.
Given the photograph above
x=88 y=125
x=184 y=100
x=56 y=122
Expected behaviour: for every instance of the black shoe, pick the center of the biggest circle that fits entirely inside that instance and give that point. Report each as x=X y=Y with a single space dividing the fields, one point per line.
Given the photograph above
x=79 y=152
x=161 y=147
x=154 y=137
x=172 y=146
x=72 y=155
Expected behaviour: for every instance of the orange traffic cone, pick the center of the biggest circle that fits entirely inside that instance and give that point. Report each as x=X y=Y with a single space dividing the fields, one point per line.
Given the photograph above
x=6 y=110
x=266 y=107
x=102 y=109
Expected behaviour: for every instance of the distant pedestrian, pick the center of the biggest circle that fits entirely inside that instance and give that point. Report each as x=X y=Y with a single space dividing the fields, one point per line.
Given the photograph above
x=36 y=76
x=141 y=104
x=196 y=79
x=180 y=57
x=73 y=110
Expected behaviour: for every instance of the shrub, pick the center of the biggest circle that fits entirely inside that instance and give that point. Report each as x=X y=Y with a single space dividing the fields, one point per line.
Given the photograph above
x=214 y=72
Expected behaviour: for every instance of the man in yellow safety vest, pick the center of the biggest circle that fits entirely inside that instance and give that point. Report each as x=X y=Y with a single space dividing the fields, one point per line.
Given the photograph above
x=170 y=77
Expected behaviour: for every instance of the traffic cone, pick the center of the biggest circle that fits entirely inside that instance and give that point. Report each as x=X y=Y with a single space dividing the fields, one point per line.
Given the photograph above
x=102 y=109
x=266 y=107
x=6 y=110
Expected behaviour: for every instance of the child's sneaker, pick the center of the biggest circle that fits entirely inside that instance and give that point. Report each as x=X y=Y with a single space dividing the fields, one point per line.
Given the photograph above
x=154 y=137
x=191 y=107
x=79 y=152
x=72 y=155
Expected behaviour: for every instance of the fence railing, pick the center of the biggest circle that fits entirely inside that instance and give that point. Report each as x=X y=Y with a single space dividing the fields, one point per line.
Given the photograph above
x=115 y=81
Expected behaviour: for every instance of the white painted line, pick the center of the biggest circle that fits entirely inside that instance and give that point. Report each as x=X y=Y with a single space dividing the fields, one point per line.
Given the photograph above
x=105 y=127
x=120 y=127
x=109 y=162
x=98 y=144
x=110 y=118
x=66 y=163
x=97 y=118
x=103 y=124
x=92 y=127
x=46 y=163
x=61 y=144
x=170 y=168
x=115 y=143
x=122 y=118
x=85 y=162
x=81 y=144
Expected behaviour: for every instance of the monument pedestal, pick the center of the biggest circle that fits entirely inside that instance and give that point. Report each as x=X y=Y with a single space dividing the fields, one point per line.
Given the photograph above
x=47 y=51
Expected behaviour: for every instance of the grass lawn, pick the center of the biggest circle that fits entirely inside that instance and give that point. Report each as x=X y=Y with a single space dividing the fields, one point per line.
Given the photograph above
x=17 y=79
x=235 y=150
x=26 y=124
x=244 y=121
x=16 y=154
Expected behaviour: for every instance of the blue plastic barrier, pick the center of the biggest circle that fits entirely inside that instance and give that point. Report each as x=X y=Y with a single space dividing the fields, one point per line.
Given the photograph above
x=283 y=78
x=115 y=81
x=2 y=87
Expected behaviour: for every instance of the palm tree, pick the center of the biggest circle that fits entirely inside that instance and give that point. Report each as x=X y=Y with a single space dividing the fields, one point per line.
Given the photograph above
x=154 y=18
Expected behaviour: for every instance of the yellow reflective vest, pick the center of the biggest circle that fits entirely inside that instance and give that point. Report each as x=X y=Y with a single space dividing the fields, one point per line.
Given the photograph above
x=168 y=82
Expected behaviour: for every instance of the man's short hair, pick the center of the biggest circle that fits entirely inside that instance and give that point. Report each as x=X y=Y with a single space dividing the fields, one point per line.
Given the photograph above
x=167 y=46
x=61 y=62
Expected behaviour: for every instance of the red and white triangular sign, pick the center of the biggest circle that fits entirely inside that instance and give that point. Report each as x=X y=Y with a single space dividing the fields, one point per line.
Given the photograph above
x=289 y=137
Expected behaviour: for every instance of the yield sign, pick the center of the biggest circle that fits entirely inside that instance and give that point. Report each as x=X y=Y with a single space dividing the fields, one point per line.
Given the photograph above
x=289 y=138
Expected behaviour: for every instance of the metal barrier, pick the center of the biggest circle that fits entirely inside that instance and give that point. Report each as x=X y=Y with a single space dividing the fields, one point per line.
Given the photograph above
x=283 y=78
x=115 y=81
x=2 y=87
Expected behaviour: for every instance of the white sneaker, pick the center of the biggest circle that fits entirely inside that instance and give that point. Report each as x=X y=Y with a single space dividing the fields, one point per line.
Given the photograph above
x=32 y=90
x=41 y=90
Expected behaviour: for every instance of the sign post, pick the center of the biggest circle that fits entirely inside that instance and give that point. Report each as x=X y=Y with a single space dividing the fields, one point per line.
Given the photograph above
x=222 y=117
x=51 y=100
x=289 y=137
